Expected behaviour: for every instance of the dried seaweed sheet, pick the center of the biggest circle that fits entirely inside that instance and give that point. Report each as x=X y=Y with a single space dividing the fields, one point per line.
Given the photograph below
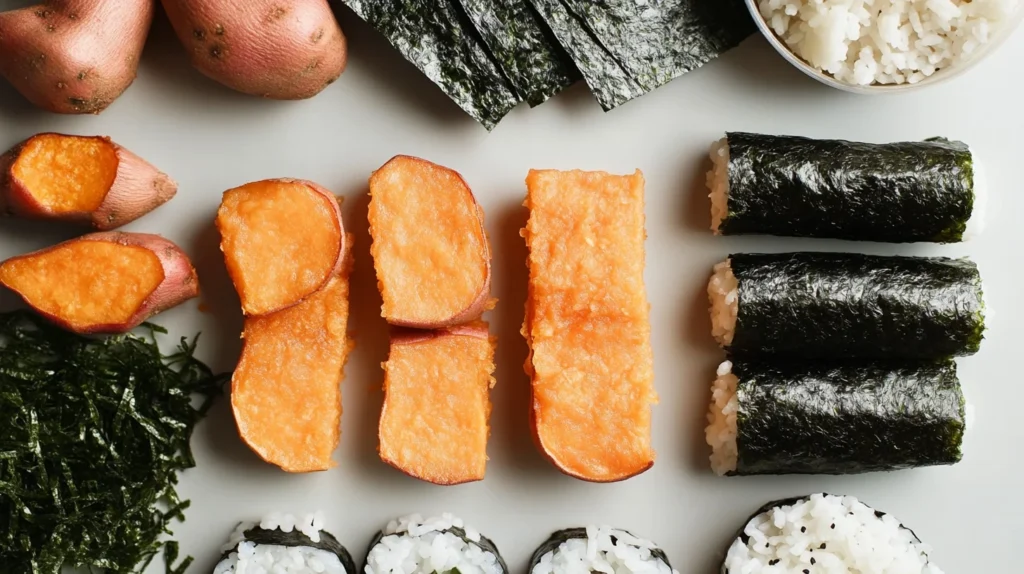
x=610 y=83
x=432 y=36
x=517 y=39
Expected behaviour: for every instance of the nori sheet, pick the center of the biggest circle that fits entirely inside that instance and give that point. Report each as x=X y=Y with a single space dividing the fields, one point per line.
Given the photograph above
x=433 y=36
x=848 y=418
x=849 y=305
x=898 y=192
x=531 y=59
x=277 y=537
x=484 y=543
x=560 y=536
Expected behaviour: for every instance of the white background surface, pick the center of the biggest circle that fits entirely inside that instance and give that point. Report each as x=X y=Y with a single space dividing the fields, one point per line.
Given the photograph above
x=210 y=139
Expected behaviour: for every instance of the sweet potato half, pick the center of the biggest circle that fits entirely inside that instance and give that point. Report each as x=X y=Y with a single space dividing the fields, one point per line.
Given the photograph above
x=434 y=424
x=74 y=56
x=286 y=390
x=103 y=282
x=587 y=324
x=430 y=248
x=282 y=239
x=89 y=180
x=280 y=50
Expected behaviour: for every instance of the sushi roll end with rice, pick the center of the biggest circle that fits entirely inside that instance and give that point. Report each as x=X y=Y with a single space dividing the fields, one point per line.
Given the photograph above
x=598 y=549
x=285 y=544
x=826 y=534
x=435 y=545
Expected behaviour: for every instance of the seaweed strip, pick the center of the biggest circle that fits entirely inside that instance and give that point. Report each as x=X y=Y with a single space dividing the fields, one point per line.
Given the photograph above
x=432 y=36
x=534 y=63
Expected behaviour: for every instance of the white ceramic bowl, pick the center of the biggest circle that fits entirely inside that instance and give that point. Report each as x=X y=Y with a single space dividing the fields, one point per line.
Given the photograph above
x=938 y=77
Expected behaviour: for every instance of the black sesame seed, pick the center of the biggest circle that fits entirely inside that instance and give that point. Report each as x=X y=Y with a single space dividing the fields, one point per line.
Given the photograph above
x=812 y=561
x=766 y=545
x=822 y=547
x=833 y=527
x=806 y=571
x=803 y=529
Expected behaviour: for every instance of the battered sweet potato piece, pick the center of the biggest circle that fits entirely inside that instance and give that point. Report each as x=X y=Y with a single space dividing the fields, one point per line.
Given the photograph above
x=286 y=390
x=429 y=248
x=282 y=240
x=587 y=323
x=434 y=425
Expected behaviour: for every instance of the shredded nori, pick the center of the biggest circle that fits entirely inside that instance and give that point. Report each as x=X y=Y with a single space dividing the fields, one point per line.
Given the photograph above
x=94 y=431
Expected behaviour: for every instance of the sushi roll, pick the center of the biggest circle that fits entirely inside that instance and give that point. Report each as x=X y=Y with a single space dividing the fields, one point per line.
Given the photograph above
x=927 y=191
x=786 y=418
x=282 y=543
x=826 y=533
x=847 y=305
x=598 y=549
x=436 y=545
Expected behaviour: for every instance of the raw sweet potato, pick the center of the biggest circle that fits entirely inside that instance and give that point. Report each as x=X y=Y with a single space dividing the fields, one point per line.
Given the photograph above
x=103 y=282
x=430 y=248
x=282 y=240
x=587 y=323
x=269 y=48
x=286 y=390
x=89 y=180
x=436 y=403
x=74 y=56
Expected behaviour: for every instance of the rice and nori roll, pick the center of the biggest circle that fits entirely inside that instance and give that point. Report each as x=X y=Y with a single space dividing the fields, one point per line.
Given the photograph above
x=598 y=549
x=927 y=191
x=285 y=544
x=847 y=305
x=825 y=534
x=435 y=545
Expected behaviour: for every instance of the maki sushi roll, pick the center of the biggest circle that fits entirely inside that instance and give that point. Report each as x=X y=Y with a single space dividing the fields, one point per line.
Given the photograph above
x=826 y=533
x=927 y=191
x=435 y=545
x=598 y=549
x=283 y=543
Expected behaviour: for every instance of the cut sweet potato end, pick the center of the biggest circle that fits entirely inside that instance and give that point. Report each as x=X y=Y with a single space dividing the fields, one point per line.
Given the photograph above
x=434 y=424
x=429 y=246
x=67 y=174
x=281 y=241
x=85 y=283
x=285 y=392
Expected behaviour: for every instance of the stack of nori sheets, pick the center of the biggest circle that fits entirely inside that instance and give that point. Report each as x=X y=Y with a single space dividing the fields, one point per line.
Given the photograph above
x=490 y=55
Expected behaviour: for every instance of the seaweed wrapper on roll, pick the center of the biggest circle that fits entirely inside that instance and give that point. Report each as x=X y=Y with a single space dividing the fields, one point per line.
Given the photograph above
x=926 y=191
x=435 y=545
x=847 y=305
x=284 y=543
x=835 y=418
x=598 y=549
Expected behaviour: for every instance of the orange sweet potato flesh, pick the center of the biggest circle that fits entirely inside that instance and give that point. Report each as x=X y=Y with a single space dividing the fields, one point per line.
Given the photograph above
x=429 y=248
x=67 y=175
x=434 y=424
x=282 y=240
x=286 y=390
x=587 y=323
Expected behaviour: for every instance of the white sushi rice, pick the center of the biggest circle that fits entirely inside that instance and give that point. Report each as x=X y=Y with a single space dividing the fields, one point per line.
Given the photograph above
x=826 y=534
x=723 y=294
x=414 y=545
x=866 y=42
x=720 y=433
x=607 y=550
x=246 y=557
x=718 y=184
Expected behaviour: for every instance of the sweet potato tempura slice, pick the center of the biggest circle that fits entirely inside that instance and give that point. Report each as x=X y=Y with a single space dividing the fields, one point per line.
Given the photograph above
x=587 y=323
x=429 y=248
x=434 y=424
x=282 y=240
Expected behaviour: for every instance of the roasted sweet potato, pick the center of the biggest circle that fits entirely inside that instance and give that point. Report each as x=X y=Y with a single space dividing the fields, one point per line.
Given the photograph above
x=286 y=390
x=74 y=56
x=282 y=240
x=437 y=403
x=269 y=48
x=103 y=282
x=587 y=323
x=89 y=180
x=430 y=248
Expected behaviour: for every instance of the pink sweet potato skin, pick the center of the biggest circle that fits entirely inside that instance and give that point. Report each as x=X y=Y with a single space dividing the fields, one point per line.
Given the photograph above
x=277 y=49
x=74 y=56
x=138 y=189
x=408 y=336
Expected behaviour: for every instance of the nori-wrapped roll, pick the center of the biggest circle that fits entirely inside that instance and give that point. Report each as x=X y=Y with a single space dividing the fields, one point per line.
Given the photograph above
x=771 y=417
x=618 y=549
x=847 y=305
x=794 y=186
x=413 y=539
x=273 y=543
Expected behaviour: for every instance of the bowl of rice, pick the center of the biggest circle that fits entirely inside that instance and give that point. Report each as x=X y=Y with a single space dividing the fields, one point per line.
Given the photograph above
x=878 y=46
